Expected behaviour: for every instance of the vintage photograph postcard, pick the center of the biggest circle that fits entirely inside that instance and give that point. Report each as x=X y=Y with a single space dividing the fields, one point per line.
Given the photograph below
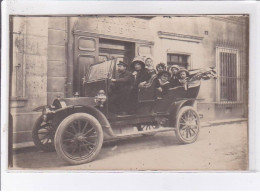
x=129 y=92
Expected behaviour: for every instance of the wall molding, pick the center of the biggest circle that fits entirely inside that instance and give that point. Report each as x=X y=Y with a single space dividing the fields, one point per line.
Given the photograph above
x=229 y=20
x=180 y=37
x=97 y=35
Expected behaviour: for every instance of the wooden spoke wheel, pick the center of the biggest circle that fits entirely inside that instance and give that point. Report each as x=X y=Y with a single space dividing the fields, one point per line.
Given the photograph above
x=43 y=135
x=188 y=125
x=79 y=138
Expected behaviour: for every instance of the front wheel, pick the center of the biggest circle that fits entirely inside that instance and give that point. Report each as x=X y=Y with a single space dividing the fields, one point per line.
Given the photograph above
x=43 y=135
x=187 y=126
x=78 y=138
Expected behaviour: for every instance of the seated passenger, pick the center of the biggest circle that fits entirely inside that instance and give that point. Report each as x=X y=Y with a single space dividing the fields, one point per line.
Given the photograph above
x=160 y=67
x=149 y=66
x=174 y=81
x=164 y=84
x=140 y=78
x=152 y=73
x=183 y=76
x=141 y=75
x=153 y=76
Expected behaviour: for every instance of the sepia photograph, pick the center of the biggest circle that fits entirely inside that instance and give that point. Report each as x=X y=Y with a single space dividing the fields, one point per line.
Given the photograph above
x=129 y=93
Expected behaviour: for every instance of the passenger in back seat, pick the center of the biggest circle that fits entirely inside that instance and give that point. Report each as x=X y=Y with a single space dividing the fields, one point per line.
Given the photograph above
x=164 y=84
x=174 y=69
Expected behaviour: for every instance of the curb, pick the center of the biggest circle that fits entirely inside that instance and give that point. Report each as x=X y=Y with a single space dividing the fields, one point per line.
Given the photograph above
x=30 y=145
x=222 y=122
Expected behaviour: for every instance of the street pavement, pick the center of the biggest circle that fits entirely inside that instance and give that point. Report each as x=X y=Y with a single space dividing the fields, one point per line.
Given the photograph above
x=218 y=148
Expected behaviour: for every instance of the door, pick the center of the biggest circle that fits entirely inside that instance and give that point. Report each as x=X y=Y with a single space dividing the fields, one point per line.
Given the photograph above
x=90 y=50
x=109 y=49
x=86 y=53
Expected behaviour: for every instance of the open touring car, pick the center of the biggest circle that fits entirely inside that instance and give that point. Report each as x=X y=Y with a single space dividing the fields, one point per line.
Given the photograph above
x=77 y=127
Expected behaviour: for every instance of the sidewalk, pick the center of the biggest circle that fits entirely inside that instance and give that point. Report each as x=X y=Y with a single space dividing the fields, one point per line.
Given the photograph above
x=29 y=145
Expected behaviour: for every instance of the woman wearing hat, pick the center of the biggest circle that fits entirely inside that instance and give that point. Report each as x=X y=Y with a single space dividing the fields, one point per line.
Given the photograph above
x=174 y=81
x=160 y=67
x=140 y=73
x=140 y=78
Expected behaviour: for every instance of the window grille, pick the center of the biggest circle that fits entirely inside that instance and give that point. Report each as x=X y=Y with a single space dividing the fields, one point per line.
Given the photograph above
x=229 y=80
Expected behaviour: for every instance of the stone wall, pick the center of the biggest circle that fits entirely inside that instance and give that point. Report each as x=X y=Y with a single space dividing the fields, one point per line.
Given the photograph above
x=29 y=83
x=57 y=59
x=199 y=37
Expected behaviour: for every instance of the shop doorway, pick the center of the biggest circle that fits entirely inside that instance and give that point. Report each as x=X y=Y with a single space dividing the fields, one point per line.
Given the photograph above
x=90 y=50
x=109 y=49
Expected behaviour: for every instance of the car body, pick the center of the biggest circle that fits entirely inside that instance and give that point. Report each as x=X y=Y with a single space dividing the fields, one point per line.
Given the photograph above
x=76 y=127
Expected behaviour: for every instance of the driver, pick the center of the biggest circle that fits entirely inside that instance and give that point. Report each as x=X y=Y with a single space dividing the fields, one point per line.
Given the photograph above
x=121 y=87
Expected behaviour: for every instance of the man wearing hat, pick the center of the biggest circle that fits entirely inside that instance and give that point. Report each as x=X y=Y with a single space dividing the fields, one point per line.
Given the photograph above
x=121 y=86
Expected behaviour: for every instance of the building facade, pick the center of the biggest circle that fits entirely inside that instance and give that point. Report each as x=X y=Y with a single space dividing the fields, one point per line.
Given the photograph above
x=50 y=57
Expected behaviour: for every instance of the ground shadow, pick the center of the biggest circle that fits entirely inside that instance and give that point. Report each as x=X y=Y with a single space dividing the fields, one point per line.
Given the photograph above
x=39 y=160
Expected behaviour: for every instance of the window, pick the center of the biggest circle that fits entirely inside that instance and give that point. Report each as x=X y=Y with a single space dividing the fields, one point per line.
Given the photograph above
x=178 y=59
x=228 y=69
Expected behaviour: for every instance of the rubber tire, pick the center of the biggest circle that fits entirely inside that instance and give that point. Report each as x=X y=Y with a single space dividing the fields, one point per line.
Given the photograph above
x=177 y=132
x=63 y=125
x=35 y=137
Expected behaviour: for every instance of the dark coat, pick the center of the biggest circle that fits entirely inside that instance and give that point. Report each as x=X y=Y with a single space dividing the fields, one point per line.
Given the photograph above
x=174 y=82
x=119 y=97
x=165 y=87
x=142 y=75
x=123 y=80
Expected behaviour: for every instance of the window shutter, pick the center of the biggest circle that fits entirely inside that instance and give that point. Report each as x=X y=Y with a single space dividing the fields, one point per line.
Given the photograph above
x=143 y=49
x=18 y=74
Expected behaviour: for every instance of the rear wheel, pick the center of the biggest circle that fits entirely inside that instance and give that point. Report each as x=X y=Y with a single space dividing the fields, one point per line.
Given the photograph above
x=43 y=135
x=79 y=138
x=187 y=126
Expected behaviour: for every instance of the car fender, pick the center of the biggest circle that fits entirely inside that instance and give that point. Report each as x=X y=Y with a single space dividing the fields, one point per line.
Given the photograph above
x=62 y=113
x=39 y=108
x=176 y=106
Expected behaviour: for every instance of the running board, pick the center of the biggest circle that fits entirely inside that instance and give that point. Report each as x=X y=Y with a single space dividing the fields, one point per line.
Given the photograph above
x=135 y=134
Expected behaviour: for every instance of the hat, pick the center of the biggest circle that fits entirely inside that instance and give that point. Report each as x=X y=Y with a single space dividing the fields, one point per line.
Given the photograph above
x=161 y=65
x=122 y=63
x=138 y=59
x=174 y=66
x=164 y=72
x=148 y=57
x=183 y=70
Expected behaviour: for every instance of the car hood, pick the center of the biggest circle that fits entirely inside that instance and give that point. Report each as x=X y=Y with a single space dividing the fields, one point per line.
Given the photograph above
x=83 y=101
